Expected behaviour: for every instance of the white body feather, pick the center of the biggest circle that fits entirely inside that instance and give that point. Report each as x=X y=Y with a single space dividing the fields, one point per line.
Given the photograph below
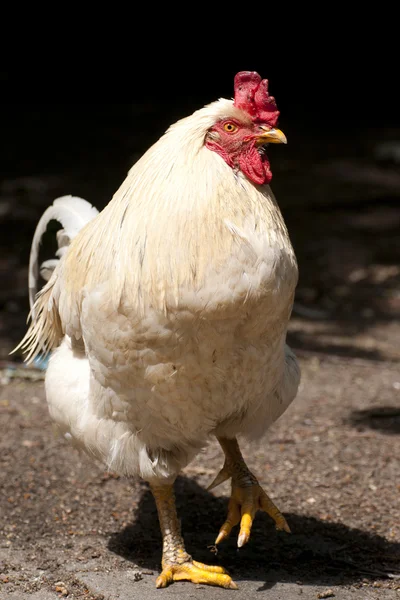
x=172 y=308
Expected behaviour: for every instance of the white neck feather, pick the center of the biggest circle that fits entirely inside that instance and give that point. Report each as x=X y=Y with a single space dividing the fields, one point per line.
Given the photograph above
x=173 y=217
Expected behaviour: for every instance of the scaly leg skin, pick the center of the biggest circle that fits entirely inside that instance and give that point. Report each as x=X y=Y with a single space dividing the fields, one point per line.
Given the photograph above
x=177 y=564
x=247 y=495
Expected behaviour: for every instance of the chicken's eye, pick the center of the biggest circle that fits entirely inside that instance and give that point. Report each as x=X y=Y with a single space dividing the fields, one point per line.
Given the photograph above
x=230 y=127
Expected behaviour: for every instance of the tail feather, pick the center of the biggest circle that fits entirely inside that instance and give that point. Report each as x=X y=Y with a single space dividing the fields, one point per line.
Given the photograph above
x=45 y=331
x=73 y=213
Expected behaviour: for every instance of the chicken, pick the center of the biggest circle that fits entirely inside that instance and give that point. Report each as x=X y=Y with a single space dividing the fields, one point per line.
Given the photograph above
x=166 y=314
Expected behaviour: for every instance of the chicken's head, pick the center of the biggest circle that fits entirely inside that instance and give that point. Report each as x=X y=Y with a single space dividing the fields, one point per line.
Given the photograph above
x=241 y=141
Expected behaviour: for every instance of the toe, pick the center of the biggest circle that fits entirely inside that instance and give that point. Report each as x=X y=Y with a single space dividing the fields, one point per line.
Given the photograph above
x=273 y=511
x=196 y=573
x=210 y=568
x=248 y=511
x=232 y=520
x=165 y=578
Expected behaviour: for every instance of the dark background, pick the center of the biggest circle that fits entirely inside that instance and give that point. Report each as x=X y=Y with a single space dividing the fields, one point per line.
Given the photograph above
x=337 y=181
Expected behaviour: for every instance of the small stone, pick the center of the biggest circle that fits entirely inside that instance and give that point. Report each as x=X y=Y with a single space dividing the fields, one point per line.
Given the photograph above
x=326 y=594
x=61 y=588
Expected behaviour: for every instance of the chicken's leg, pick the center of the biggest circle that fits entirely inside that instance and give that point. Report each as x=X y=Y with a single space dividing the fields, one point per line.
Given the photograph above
x=247 y=495
x=177 y=564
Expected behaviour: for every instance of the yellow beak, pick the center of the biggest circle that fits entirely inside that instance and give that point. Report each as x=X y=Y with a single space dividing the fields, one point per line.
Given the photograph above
x=271 y=136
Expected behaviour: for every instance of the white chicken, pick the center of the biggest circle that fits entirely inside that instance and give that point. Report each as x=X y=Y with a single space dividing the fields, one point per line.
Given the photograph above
x=167 y=314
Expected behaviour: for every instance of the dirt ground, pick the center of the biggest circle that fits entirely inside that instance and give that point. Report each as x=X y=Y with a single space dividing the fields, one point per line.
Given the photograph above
x=331 y=463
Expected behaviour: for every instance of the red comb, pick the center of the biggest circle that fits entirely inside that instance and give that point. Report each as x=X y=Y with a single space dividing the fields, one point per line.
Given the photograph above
x=251 y=95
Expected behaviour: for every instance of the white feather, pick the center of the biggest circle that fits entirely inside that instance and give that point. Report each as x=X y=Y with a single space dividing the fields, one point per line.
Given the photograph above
x=170 y=310
x=73 y=213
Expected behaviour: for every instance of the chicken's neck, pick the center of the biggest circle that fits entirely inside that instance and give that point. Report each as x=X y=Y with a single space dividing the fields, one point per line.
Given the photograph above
x=173 y=220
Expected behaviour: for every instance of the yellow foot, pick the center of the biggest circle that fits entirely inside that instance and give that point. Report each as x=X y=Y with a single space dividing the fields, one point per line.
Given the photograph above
x=245 y=501
x=195 y=572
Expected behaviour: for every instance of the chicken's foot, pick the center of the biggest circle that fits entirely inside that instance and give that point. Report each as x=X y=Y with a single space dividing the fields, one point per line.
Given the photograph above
x=177 y=564
x=247 y=495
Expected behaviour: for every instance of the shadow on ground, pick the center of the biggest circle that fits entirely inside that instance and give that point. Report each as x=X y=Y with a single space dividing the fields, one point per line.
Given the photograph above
x=385 y=419
x=316 y=552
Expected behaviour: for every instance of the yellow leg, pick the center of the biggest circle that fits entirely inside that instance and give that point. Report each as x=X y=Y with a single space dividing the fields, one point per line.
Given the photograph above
x=177 y=564
x=247 y=495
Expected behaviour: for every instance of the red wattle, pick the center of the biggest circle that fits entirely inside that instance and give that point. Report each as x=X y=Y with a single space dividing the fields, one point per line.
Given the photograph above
x=254 y=166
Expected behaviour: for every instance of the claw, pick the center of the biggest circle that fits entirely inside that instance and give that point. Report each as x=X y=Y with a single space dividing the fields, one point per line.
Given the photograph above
x=242 y=508
x=247 y=496
x=222 y=476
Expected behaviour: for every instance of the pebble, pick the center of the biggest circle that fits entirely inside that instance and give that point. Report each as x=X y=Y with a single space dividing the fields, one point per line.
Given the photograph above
x=61 y=588
x=326 y=594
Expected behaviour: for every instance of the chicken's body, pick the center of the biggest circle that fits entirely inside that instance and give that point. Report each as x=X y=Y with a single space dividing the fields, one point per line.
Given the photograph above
x=170 y=309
